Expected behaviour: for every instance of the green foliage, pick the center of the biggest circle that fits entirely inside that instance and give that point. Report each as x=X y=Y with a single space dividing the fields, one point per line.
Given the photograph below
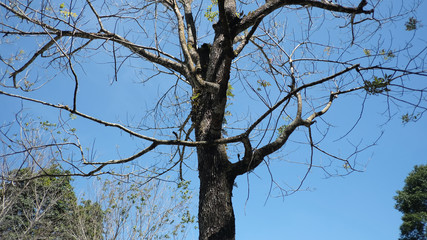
x=227 y=113
x=65 y=13
x=44 y=207
x=72 y=116
x=46 y=125
x=412 y=24
x=412 y=202
x=281 y=129
x=263 y=84
x=90 y=214
x=367 y=52
x=230 y=90
x=346 y=166
x=211 y=14
x=145 y=211
x=387 y=55
x=409 y=117
x=195 y=96
x=379 y=85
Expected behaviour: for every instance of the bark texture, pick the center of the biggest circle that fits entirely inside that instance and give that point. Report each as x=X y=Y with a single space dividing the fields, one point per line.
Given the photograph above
x=216 y=216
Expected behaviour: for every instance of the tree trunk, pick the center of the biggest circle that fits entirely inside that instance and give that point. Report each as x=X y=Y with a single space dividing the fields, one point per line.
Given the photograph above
x=216 y=216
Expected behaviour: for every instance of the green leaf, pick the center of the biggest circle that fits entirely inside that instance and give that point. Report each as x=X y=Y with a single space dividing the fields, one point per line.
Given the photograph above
x=229 y=90
x=387 y=55
x=68 y=14
x=409 y=117
x=281 y=129
x=411 y=24
x=367 y=52
x=263 y=83
x=195 y=96
x=378 y=85
x=211 y=14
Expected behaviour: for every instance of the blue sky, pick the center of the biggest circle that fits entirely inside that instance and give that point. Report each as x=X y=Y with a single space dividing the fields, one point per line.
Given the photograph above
x=357 y=206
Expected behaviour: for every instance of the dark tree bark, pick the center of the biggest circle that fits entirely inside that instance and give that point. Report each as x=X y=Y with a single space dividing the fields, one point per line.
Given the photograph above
x=216 y=216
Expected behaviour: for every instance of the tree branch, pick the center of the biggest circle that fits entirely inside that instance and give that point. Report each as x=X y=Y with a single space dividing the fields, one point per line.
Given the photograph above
x=248 y=164
x=195 y=78
x=176 y=142
x=28 y=63
x=248 y=36
x=118 y=161
x=102 y=29
x=272 y=5
x=174 y=64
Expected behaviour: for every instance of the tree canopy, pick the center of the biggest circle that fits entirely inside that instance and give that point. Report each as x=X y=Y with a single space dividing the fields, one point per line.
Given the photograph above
x=46 y=208
x=412 y=202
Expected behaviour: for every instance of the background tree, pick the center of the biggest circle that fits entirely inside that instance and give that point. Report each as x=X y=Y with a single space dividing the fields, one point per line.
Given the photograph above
x=36 y=195
x=42 y=203
x=286 y=61
x=412 y=202
x=88 y=220
x=145 y=211
x=46 y=208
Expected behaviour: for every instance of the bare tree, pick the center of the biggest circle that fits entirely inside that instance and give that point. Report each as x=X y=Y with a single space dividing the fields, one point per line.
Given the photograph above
x=293 y=58
x=145 y=211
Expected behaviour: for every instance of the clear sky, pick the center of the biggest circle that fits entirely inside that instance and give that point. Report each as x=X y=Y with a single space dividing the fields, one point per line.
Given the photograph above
x=358 y=206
